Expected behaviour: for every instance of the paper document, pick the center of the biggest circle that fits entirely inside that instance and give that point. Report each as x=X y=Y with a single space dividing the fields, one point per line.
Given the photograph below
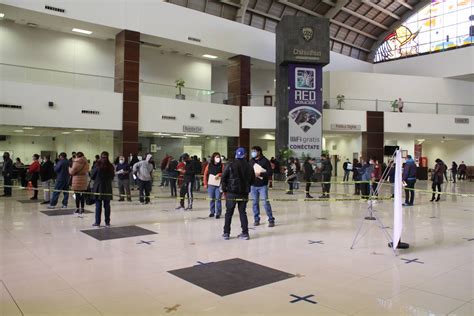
x=258 y=169
x=213 y=181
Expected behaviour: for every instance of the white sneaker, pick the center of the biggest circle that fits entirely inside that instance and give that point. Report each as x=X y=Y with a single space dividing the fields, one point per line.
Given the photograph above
x=64 y=206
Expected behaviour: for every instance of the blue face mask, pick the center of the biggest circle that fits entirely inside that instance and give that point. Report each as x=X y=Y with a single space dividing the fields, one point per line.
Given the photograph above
x=254 y=154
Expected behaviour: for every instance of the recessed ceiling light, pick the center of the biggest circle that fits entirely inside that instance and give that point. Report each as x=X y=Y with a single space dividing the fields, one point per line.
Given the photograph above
x=191 y=135
x=174 y=136
x=26 y=127
x=161 y=134
x=2 y=15
x=18 y=131
x=66 y=133
x=81 y=31
x=78 y=130
x=209 y=56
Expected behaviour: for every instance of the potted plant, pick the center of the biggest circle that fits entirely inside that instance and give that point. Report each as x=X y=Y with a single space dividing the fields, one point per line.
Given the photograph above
x=340 y=98
x=180 y=84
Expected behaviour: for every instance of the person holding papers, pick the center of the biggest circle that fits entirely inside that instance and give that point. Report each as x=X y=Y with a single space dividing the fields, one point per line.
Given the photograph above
x=212 y=181
x=259 y=189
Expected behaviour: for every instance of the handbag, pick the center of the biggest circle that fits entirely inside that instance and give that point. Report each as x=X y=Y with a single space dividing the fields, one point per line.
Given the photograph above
x=90 y=198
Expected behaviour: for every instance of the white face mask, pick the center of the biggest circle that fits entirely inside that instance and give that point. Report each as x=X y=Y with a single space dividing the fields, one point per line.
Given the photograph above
x=140 y=158
x=217 y=160
x=121 y=161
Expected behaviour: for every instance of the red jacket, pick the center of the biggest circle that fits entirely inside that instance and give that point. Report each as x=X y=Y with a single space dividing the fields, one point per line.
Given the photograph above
x=34 y=167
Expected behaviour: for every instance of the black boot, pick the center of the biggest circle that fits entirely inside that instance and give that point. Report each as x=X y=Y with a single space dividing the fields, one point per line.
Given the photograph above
x=432 y=198
x=439 y=196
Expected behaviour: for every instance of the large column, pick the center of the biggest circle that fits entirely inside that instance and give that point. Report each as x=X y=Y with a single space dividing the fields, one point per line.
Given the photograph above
x=373 y=139
x=238 y=77
x=127 y=70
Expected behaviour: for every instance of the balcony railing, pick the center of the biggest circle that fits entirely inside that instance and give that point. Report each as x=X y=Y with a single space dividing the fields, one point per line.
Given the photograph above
x=191 y=94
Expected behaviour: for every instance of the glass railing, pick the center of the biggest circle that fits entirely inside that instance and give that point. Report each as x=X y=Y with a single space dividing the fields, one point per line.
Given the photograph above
x=191 y=94
x=43 y=76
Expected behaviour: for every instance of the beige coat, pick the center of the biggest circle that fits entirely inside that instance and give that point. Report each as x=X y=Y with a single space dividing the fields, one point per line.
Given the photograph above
x=79 y=172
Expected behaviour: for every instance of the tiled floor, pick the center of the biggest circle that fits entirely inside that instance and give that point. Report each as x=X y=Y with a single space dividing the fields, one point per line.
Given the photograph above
x=49 y=267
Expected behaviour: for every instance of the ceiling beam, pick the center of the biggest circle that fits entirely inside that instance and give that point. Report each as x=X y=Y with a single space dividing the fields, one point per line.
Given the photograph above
x=406 y=5
x=354 y=29
x=238 y=6
x=420 y=5
x=362 y=17
x=329 y=2
x=349 y=44
x=299 y=8
x=335 y=10
x=379 y=8
x=240 y=16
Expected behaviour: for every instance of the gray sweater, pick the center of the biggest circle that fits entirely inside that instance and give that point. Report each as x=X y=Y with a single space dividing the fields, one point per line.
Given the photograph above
x=143 y=170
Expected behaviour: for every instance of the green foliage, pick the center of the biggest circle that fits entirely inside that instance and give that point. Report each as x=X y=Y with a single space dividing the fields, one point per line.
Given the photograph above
x=179 y=84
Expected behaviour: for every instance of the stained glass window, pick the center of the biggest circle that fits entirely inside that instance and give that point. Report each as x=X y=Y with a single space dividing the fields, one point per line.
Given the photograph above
x=441 y=25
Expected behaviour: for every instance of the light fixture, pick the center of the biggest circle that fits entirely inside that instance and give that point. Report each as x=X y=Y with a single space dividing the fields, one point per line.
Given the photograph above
x=79 y=130
x=2 y=15
x=26 y=127
x=18 y=131
x=192 y=136
x=161 y=134
x=176 y=136
x=81 y=31
x=209 y=56
x=66 y=133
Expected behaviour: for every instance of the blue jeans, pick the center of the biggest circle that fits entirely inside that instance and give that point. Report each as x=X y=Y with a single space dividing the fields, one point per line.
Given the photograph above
x=98 y=211
x=63 y=186
x=261 y=194
x=215 y=196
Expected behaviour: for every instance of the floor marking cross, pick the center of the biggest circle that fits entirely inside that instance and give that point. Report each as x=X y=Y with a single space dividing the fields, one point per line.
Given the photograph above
x=412 y=260
x=302 y=298
x=200 y=263
x=319 y=242
x=172 y=309
x=145 y=242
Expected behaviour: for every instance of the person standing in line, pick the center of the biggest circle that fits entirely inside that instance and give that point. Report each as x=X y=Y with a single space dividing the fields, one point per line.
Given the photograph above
x=270 y=180
x=462 y=171
x=188 y=173
x=437 y=178
x=376 y=175
x=62 y=182
x=133 y=159
x=197 y=172
x=259 y=188
x=391 y=177
x=308 y=175
x=345 y=166
x=34 y=172
x=7 y=173
x=356 y=176
x=409 y=177
x=366 y=177
x=326 y=172
x=214 y=168
x=103 y=175
x=290 y=175
x=445 y=171
x=20 y=167
x=46 y=175
x=173 y=174
x=236 y=182
x=122 y=170
x=164 y=173
x=79 y=172
x=296 y=184
x=400 y=105
x=204 y=164
x=143 y=170
x=454 y=170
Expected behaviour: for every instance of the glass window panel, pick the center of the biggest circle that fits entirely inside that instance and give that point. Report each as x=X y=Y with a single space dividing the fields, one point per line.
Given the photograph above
x=451 y=19
x=450 y=6
x=463 y=29
x=424 y=13
x=450 y=32
x=436 y=8
x=463 y=15
x=424 y=25
x=424 y=38
x=461 y=4
x=437 y=36
x=424 y=48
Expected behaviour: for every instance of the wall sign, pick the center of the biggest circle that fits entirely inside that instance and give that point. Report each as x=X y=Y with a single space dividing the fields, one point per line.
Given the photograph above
x=345 y=127
x=461 y=120
x=305 y=109
x=192 y=129
x=167 y=117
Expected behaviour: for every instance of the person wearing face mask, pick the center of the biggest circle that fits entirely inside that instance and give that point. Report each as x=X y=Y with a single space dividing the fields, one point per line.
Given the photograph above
x=103 y=175
x=212 y=181
x=33 y=172
x=308 y=175
x=62 y=182
x=79 y=171
x=259 y=188
x=46 y=174
x=143 y=170
x=7 y=173
x=326 y=172
x=173 y=173
x=188 y=172
x=122 y=170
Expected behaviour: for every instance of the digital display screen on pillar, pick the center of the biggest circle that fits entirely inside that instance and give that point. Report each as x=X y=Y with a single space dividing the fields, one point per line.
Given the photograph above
x=305 y=109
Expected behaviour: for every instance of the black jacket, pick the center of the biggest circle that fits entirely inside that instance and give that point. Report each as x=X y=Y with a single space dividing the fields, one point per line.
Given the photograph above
x=308 y=171
x=265 y=164
x=189 y=171
x=326 y=167
x=47 y=170
x=7 y=169
x=103 y=182
x=172 y=172
x=237 y=178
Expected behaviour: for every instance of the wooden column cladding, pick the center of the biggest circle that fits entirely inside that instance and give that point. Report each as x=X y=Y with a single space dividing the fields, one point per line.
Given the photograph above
x=373 y=139
x=127 y=70
x=238 y=75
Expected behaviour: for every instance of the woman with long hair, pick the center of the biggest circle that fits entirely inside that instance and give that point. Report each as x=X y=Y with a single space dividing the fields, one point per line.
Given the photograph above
x=212 y=180
x=79 y=171
x=103 y=175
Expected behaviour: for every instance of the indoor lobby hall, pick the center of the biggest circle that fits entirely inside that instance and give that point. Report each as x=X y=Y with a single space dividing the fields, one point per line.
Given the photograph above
x=53 y=265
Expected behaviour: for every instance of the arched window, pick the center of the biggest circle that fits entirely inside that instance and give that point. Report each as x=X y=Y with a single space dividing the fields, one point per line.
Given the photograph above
x=441 y=25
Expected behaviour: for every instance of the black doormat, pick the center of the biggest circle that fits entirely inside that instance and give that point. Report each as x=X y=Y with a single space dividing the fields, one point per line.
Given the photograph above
x=117 y=232
x=230 y=276
x=64 y=211
x=28 y=201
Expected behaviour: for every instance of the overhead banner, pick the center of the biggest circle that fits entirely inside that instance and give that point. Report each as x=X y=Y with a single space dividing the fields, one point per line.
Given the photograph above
x=305 y=109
